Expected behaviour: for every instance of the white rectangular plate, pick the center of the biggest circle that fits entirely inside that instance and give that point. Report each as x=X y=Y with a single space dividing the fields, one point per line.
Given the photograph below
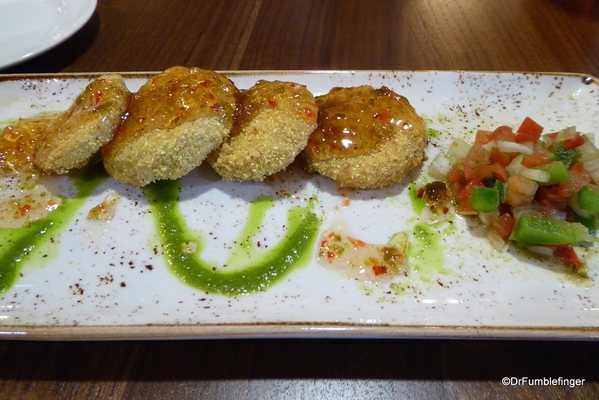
x=107 y=282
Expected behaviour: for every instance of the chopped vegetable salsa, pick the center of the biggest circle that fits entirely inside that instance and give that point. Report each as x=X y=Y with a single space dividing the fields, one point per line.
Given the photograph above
x=538 y=190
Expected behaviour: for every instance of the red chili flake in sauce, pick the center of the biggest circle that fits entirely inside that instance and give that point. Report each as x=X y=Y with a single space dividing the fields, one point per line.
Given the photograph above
x=309 y=113
x=379 y=270
x=356 y=242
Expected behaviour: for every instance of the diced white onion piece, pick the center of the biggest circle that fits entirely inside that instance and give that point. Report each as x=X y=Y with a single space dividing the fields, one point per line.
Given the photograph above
x=459 y=149
x=566 y=134
x=545 y=140
x=542 y=250
x=559 y=215
x=440 y=167
x=490 y=145
x=485 y=217
x=495 y=240
x=513 y=147
x=592 y=165
x=588 y=149
x=532 y=209
x=515 y=166
x=535 y=174
x=589 y=155
x=590 y=136
x=539 y=146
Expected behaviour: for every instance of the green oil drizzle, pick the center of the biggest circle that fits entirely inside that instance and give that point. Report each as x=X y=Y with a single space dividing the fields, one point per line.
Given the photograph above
x=433 y=133
x=18 y=245
x=417 y=203
x=6 y=122
x=263 y=271
x=425 y=252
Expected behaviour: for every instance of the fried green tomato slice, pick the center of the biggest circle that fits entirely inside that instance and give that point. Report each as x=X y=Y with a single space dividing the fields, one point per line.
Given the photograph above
x=172 y=123
x=366 y=138
x=75 y=135
x=273 y=124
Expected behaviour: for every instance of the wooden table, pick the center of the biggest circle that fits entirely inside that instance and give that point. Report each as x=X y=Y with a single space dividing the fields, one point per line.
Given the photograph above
x=151 y=35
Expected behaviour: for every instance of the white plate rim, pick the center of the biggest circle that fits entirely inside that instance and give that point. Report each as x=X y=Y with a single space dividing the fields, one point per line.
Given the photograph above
x=290 y=330
x=66 y=29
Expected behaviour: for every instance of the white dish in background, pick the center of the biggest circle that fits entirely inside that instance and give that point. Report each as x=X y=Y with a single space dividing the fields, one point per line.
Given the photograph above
x=107 y=282
x=31 y=27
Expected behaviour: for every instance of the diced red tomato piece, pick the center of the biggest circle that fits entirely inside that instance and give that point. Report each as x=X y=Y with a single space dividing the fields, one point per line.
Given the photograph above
x=462 y=198
x=529 y=130
x=569 y=214
x=455 y=180
x=520 y=191
x=574 y=142
x=503 y=225
x=536 y=160
x=476 y=159
x=483 y=137
x=551 y=195
x=579 y=177
x=497 y=169
x=567 y=255
x=470 y=167
x=478 y=153
x=553 y=135
x=504 y=133
x=500 y=157
x=455 y=174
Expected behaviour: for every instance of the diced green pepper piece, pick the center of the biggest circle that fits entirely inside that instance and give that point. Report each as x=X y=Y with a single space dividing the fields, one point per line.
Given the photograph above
x=558 y=172
x=591 y=222
x=538 y=230
x=484 y=199
x=564 y=155
x=500 y=187
x=588 y=200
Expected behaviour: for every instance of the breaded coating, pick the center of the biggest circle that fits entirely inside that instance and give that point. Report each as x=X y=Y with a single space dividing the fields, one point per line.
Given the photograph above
x=172 y=123
x=273 y=124
x=366 y=138
x=78 y=133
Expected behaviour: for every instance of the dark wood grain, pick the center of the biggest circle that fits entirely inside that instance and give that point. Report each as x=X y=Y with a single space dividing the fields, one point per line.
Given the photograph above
x=507 y=35
x=151 y=35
